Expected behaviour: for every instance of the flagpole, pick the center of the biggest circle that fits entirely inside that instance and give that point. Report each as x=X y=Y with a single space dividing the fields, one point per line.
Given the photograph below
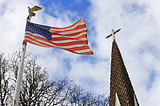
x=21 y=65
x=19 y=77
x=20 y=71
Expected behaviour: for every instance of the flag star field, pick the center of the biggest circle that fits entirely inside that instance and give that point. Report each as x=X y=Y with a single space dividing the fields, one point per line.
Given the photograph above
x=39 y=29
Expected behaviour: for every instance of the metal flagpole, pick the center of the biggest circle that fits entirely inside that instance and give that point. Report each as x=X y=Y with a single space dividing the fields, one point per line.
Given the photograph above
x=20 y=70
x=19 y=77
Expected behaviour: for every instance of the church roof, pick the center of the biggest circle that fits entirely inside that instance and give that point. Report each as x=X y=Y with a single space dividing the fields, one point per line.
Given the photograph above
x=119 y=81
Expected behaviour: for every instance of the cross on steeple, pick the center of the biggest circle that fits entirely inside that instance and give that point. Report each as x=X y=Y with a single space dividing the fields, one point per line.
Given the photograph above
x=113 y=33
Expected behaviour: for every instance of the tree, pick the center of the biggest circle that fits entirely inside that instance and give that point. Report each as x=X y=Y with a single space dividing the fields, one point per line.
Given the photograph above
x=37 y=89
x=5 y=86
x=60 y=92
x=88 y=99
x=35 y=84
x=102 y=100
x=75 y=95
x=78 y=97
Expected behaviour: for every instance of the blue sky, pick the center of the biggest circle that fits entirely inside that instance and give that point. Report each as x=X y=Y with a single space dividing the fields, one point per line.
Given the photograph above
x=138 y=41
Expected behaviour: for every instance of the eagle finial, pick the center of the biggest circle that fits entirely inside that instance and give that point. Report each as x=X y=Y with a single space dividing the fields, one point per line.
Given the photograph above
x=31 y=11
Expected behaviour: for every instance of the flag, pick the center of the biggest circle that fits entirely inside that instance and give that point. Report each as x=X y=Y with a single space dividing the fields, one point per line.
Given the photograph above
x=72 y=38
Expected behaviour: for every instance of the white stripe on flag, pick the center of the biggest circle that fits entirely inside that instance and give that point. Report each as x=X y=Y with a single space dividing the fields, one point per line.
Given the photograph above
x=68 y=41
x=83 y=51
x=57 y=36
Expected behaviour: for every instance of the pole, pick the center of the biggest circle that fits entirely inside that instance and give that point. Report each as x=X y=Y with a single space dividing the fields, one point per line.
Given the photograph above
x=19 y=77
x=20 y=70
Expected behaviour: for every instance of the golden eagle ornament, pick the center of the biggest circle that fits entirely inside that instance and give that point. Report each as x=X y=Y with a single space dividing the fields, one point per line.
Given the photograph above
x=31 y=11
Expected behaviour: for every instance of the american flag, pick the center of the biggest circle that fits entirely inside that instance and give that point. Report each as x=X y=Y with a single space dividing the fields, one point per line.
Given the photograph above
x=72 y=38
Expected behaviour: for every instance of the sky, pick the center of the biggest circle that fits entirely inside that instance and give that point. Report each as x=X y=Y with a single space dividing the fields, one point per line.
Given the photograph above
x=138 y=41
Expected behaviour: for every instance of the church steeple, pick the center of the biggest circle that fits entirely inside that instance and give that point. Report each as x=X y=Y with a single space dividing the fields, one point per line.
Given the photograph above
x=120 y=84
